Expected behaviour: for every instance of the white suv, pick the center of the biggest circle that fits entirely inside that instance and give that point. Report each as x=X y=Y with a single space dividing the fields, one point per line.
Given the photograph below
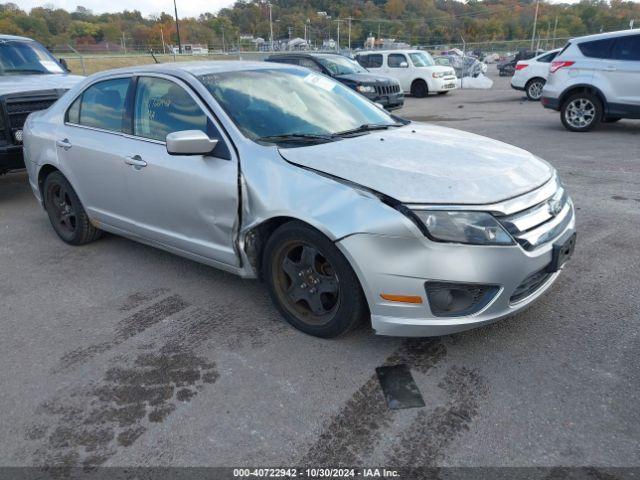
x=414 y=69
x=595 y=78
x=531 y=75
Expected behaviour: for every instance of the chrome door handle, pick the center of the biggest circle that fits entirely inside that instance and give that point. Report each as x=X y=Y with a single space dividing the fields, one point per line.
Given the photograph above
x=136 y=161
x=66 y=144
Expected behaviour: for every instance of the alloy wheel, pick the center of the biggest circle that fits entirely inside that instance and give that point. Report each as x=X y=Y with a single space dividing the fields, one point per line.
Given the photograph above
x=62 y=208
x=580 y=113
x=306 y=283
x=535 y=90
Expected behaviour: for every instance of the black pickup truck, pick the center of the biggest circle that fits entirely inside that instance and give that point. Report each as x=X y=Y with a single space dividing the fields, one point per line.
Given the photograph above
x=377 y=88
x=31 y=79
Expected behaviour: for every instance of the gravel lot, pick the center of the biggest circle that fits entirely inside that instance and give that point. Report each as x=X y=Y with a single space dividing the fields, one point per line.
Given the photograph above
x=119 y=354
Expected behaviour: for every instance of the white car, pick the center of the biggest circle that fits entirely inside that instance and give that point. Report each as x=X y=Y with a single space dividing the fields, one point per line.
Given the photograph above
x=531 y=75
x=416 y=70
x=596 y=79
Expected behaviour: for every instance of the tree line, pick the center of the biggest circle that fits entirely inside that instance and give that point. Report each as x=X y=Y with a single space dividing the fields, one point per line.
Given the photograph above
x=416 y=22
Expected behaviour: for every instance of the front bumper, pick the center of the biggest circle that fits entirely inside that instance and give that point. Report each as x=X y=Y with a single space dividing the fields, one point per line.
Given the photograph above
x=11 y=157
x=444 y=84
x=389 y=101
x=400 y=265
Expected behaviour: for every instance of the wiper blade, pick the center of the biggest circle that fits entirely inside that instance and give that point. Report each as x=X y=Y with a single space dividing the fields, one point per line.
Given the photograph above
x=297 y=137
x=369 y=127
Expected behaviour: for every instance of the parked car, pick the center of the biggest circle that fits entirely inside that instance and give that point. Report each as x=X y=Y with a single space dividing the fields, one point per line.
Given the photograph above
x=595 y=79
x=378 y=88
x=464 y=65
x=531 y=75
x=31 y=79
x=414 y=69
x=507 y=67
x=273 y=171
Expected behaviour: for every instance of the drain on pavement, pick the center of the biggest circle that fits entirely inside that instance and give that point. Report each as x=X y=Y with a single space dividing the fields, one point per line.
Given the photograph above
x=400 y=391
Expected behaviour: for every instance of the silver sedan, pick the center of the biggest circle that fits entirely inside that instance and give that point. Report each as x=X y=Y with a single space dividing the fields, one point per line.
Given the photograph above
x=276 y=172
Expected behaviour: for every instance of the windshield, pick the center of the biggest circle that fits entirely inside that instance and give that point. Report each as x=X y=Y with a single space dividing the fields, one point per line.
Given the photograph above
x=285 y=102
x=341 y=65
x=19 y=58
x=422 y=59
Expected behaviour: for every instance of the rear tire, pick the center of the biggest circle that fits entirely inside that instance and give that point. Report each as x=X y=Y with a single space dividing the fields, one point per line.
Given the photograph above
x=534 y=88
x=581 y=112
x=311 y=282
x=419 y=89
x=66 y=213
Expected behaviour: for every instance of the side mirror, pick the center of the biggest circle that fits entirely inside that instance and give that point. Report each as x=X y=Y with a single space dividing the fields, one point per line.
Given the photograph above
x=63 y=62
x=190 y=142
x=404 y=65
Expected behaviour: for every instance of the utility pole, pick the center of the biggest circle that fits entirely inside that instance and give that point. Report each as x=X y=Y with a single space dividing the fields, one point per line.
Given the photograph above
x=338 y=44
x=349 y=19
x=548 y=34
x=175 y=7
x=124 y=44
x=535 y=24
x=555 y=29
x=162 y=37
x=271 y=26
x=224 y=47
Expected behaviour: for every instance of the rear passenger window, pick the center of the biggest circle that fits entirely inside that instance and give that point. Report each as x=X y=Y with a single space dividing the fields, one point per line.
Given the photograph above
x=627 y=48
x=370 y=61
x=597 y=48
x=395 y=60
x=102 y=105
x=548 y=57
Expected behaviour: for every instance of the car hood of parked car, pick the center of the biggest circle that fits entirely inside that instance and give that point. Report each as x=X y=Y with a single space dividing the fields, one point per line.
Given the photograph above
x=365 y=79
x=421 y=163
x=27 y=83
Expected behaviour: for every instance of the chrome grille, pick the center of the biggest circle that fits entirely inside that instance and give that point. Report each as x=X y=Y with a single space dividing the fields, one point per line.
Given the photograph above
x=540 y=223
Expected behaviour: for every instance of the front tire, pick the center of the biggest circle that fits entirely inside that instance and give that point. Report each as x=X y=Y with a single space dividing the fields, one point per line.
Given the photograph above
x=419 y=89
x=311 y=282
x=581 y=112
x=534 y=88
x=66 y=213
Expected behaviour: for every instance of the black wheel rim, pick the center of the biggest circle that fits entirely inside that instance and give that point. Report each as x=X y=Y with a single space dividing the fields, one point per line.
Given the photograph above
x=306 y=283
x=62 y=209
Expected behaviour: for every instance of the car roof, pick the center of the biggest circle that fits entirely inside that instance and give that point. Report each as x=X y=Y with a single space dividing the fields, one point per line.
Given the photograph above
x=408 y=50
x=196 y=68
x=307 y=54
x=602 y=36
x=15 y=37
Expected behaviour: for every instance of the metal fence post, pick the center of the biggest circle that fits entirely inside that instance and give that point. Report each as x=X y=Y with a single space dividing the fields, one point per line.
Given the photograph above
x=84 y=71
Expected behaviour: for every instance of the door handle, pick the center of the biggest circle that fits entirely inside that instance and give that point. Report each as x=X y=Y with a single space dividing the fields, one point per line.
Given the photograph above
x=66 y=144
x=610 y=68
x=136 y=161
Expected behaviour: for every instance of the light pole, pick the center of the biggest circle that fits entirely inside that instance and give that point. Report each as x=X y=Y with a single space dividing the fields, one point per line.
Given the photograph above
x=535 y=24
x=175 y=7
x=349 y=33
x=271 y=26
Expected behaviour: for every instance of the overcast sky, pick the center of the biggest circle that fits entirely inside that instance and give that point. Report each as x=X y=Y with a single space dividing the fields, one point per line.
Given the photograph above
x=186 y=8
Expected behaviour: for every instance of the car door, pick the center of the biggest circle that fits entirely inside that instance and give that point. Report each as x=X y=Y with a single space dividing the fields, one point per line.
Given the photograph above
x=398 y=67
x=624 y=71
x=186 y=202
x=90 y=149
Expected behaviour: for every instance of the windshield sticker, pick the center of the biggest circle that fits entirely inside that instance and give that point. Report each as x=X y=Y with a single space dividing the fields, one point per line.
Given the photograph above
x=52 y=67
x=320 y=81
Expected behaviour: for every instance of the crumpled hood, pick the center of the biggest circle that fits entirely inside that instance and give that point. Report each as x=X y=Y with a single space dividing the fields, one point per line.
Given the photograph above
x=366 y=78
x=26 y=83
x=421 y=163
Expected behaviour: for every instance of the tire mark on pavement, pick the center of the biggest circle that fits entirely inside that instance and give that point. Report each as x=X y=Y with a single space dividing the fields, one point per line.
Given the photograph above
x=138 y=299
x=431 y=432
x=126 y=328
x=355 y=430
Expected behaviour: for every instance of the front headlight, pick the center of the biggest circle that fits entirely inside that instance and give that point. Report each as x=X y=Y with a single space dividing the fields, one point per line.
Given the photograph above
x=438 y=74
x=366 y=88
x=475 y=228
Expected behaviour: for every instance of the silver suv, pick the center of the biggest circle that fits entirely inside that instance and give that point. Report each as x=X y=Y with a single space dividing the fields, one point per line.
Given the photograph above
x=595 y=78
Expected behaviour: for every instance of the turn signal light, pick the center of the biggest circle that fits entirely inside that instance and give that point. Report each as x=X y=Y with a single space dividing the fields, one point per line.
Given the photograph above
x=401 y=298
x=521 y=66
x=558 y=64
